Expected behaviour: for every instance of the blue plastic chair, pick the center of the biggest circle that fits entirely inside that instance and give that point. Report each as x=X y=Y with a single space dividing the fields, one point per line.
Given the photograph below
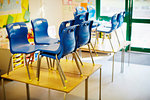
x=84 y=36
x=40 y=30
x=107 y=30
x=17 y=34
x=120 y=19
x=79 y=10
x=58 y=51
x=91 y=11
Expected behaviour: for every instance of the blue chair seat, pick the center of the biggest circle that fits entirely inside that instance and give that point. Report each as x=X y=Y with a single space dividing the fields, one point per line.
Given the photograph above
x=46 y=41
x=25 y=48
x=52 y=49
x=104 y=29
x=40 y=30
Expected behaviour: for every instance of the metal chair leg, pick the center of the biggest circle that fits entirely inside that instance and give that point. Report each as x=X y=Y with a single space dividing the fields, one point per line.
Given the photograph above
x=27 y=67
x=32 y=59
x=10 y=64
x=53 y=64
x=103 y=38
x=110 y=43
x=91 y=54
x=66 y=58
x=74 y=56
x=97 y=34
x=48 y=64
x=93 y=49
x=38 y=67
x=78 y=57
x=57 y=62
x=59 y=67
x=117 y=38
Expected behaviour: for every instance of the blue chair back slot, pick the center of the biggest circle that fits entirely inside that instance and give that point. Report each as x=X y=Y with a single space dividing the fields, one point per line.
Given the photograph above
x=17 y=34
x=67 y=41
x=81 y=18
x=63 y=25
x=83 y=33
x=40 y=27
x=91 y=11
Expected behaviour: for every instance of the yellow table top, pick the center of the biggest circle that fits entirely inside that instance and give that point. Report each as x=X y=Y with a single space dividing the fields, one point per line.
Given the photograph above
x=51 y=79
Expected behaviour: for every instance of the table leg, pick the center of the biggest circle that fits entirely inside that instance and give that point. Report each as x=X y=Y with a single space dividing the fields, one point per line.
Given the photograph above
x=65 y=95
x=122 y=60
x=113 y=67
x=28 y=92
x=100 y=85
x=86 y=88
x=3 y=88
x=129 y=55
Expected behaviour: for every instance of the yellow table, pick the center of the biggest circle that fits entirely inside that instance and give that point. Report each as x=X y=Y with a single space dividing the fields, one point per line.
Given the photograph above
x=51 y=79
x=107 y=49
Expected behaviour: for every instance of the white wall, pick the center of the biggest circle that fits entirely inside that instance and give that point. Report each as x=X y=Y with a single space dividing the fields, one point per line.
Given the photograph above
x=52 y=11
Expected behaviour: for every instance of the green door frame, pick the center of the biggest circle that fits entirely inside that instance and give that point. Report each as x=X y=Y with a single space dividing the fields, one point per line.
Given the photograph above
x=128 y=19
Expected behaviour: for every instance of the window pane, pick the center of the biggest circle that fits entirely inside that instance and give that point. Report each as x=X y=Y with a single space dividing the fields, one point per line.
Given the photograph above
x=140 y=35
x=110 y=7
x=141 y=9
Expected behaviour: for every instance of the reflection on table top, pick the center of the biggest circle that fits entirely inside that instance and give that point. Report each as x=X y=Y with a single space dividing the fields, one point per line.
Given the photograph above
x=51 y=79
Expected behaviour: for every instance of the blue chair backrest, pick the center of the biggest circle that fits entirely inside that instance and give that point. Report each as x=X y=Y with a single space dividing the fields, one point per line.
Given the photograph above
x=40 y=29
x=67 y=41
x=65 y=24
x=17 y=34
x=79 y=10
x=91 y=11
x=120 y=19
x=83 y=33
x=81 y=18
x=114 y=22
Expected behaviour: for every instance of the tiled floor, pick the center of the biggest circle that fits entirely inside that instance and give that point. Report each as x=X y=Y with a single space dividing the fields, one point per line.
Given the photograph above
x=133 y=84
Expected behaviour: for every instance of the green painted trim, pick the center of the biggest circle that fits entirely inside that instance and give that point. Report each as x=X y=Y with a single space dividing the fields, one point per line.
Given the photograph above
x=140 y=49
x=97 y=9
x=140 y=20
x=106 y=18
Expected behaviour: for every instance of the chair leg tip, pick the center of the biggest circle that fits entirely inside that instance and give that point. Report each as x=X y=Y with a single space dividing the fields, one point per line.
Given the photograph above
x=65 y=87
x=81 y=75
x=66 y=81
x=30 y=80
x=37 y=79
x=82 y=65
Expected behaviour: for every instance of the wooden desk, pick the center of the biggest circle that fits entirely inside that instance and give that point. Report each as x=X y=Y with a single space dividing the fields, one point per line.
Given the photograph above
x=106 y=48
x=51 y=79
